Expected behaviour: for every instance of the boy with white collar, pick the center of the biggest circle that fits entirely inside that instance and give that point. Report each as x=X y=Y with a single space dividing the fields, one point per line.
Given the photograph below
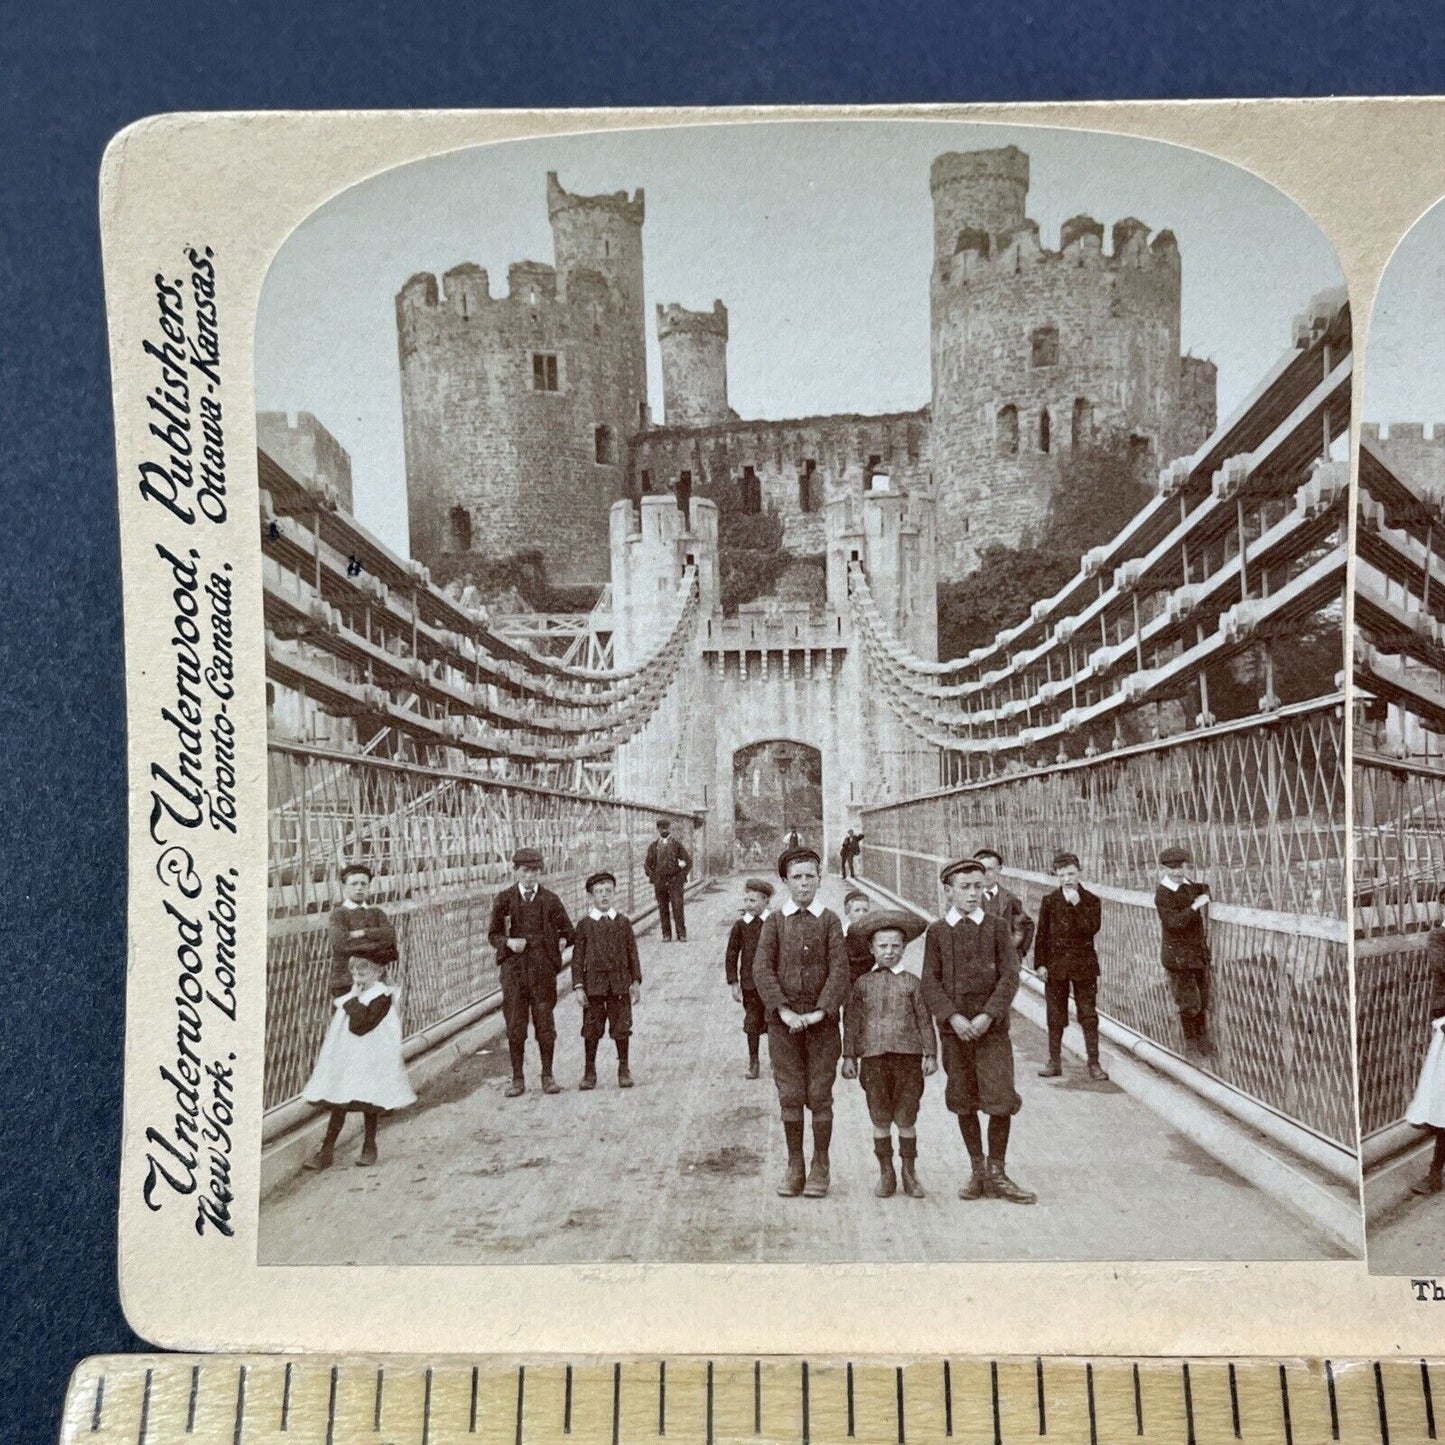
x=357 y=929
x=1183 y=906
x=738 y=964
x=801 y=972
x=889 y=1029
x=606 y=977
x=970 y=976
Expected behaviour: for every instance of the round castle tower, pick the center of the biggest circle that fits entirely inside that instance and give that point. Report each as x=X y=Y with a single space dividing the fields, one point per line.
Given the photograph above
x=517 y=409
x=694 y=346
x=1036 y=353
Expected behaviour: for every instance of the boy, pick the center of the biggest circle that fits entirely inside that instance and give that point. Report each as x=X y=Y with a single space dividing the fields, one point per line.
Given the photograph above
x=1184 y=945
x=801 y=972
x=856 y=904
x=1000 y=900
x=738 y=964
x=891 y=1031
x=970 y=976
x=606 y=977
x=529 y=929
x=1064 y=957
x=667 y=864
x=357 y=930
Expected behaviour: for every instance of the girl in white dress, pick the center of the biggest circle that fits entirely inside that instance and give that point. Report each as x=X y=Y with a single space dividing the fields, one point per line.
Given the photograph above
x=1427 y=1108
x=360 y=1066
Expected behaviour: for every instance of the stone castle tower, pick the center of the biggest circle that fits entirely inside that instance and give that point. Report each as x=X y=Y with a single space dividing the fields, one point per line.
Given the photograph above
x=1036 y=353
x=694 y=347
x=517 y=409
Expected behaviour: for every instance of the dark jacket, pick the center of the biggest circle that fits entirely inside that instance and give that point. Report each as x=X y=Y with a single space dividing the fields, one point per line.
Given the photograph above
x=970 y=970
x=860 y=954
x=1435 y=953
x=1184 y=939
x=604 y=956
x=801 y=963
x=1064 y=943
x=742 y=945
x=377 y=941
x=556 y=930
x=1008 y=907
x=662 y=865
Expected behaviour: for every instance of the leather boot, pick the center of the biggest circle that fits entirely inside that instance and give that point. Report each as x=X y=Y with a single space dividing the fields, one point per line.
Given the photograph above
x=1097 y=1074
x=908 y=1150
x=323 y=1158
x=589 y=1077
x=367 y=1157
x=549 y=1084
x=515 y=1088
x=1430 y=1184
x=1000 y=1186
x=1052 y=1070
x=977 y=1185
x=793 y=1179
x=887 y=1185
x=818 y=1174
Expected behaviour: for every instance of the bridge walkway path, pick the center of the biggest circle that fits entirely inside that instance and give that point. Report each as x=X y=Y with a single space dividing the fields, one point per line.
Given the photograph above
x=683 y=1167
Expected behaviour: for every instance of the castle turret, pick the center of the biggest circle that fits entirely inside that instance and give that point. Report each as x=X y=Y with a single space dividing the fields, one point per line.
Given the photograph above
x=694 y=346
x=978 y=200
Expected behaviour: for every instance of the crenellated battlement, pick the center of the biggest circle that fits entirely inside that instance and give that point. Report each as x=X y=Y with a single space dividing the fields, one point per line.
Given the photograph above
x=979 y=255
x=1413 y=432
x=559 y=200
x=676 y=320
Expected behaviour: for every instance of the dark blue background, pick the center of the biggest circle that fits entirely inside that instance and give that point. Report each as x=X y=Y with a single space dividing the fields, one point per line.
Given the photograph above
x=70 y=76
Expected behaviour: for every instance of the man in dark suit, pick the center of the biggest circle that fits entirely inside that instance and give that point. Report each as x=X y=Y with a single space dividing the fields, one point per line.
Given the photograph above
x=667 y=865
x=1064 y=957
x=1002 y=902
x=533 y=937
x=1183 y=906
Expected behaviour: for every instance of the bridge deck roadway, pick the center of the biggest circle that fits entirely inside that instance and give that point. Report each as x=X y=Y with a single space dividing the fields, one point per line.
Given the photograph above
x=1411 y=1239
x=684 y=1166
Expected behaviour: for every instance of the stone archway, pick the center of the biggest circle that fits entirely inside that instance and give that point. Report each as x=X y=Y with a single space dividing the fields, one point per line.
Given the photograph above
x=777 y=785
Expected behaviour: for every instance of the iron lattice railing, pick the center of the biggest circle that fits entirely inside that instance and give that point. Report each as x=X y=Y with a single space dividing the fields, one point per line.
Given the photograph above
x=441 y=846
x=1262 y=809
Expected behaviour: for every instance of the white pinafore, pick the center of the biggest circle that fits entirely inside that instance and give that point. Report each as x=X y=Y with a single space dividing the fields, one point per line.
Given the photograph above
x=361 y=1068
x=1427 y=1108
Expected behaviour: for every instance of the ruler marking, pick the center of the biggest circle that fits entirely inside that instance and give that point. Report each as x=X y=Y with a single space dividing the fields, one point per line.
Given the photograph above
x=1234 y=1400
x=472 y=1416
x=1284 y=1406
x=806 y=1424
x=898 y=1391
x=191 y=1403
x=99 y=1403
x=993 y=1397
x=1380 y=1404
x=616 y=1407
x=848 y=1375
x=240 y=1407
x=145 y=1409
x=1039 y=1390
x=331 y=1410
x=1188 y=1404
x=709 y=1403
x=1093 y=1421
x=426 y=1410
x=286 y=1400
x=662 y=1397
x=567 y=1401
x=521 y=1399
x=1334 y=1403
x=757 y=1397
x=1429 y=1399
x=1138 y=1402
x=947 y=1398
x=376 y=1414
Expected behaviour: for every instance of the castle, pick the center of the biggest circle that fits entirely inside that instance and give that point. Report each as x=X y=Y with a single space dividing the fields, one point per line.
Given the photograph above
x=526 y=416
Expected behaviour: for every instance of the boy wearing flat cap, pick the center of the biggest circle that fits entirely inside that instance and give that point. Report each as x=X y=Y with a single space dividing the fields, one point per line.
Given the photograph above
x=1183 y=906
x=530 y=930
x=890 y=1044
x=606 y=977
x=357 y=929
x=738 y=964
x=801 y=972
x=1004 y=901
x=970 y=976
x=1064 y=957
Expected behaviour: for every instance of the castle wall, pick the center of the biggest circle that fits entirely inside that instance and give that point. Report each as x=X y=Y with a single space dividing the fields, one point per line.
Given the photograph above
x=306 y=450
x=1410 y=454
x=694 y=347
x=1198 y=405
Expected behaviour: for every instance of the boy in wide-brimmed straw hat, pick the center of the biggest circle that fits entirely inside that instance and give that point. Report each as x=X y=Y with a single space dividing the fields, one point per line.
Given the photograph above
x=890 y=1044
x=606 y=977
x=530 y=931
x=970 y=977
x=801 y=972
x=738 y=965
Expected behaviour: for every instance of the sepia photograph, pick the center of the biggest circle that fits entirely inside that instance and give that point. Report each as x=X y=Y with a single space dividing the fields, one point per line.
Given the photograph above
x=1399 y=762
x=806 y=715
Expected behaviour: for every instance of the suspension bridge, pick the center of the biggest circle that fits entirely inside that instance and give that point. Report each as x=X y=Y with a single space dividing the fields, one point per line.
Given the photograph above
x=431 y=738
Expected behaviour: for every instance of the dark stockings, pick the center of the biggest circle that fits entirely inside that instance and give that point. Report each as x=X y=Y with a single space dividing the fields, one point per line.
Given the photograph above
x=998 y=1132
x=336 y=1122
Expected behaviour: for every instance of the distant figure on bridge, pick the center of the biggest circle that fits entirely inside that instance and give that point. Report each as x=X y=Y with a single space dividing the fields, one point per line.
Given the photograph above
x=529 y=929
x=667 y=865
x=1184 y=945
x=848 y=853
x=794 y=839
x=889 y=1042
x=356 y=929
x=1427 y=1108
x=970 y=977
x=1064 y=957
x=606 y=977
x=801 y=971
x=738 y=965
x=1001 y=901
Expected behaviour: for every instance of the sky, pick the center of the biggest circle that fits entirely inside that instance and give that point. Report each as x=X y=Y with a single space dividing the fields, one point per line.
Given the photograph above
x=1405 y=352
x=817 y=236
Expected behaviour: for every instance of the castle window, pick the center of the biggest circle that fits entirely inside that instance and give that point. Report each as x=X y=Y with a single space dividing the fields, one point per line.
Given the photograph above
x=751 y=492
x=544 y=371
x=1140 y=448
x=808 y=487
x=874 y=463
x=1044 y=429
x=912 y=443
x=684 y=493
x=1081 y=431
x=1044 y=346
x=646 y=483
x=459 y=530
x=602 y=446
x=1006 y=431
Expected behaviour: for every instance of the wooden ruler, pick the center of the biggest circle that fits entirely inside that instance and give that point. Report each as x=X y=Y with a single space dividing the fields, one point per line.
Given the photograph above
x=402 y=1400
